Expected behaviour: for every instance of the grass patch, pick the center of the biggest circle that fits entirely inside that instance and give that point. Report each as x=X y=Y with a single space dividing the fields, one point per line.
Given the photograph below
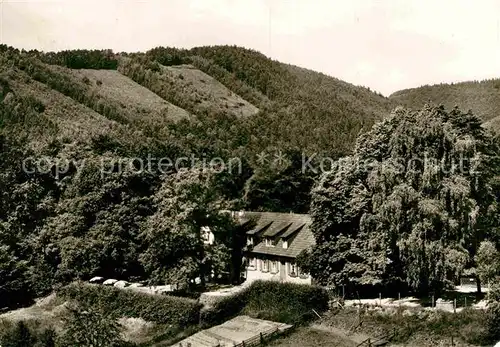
x=309 y=337
x=416 y=326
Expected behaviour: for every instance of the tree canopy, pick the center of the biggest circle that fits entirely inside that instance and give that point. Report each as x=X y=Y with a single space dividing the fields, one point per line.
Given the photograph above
x=410 y=206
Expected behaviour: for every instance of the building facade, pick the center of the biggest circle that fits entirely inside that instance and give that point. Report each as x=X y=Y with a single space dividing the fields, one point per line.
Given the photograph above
x=273 y=245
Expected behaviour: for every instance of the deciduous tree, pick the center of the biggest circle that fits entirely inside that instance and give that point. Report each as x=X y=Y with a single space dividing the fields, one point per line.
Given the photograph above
x=410 y=206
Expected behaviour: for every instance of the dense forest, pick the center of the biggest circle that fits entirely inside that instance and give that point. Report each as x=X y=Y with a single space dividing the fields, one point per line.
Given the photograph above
x=75 y=127
x=76 y=124
x=482 y=97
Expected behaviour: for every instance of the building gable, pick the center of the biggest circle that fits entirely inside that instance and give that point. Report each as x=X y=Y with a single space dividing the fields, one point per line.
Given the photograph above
x=274 y=230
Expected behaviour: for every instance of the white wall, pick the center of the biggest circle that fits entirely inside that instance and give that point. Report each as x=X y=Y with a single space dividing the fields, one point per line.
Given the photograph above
x=255 y=273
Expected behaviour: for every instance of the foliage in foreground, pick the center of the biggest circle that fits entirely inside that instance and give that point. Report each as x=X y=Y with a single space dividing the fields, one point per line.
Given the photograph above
x=493 y=323
x=90 y=328
x=281 y=302
x=418 y=327
x=410 y=206
x=21 y=335
x=310 y=337
x=161 y=309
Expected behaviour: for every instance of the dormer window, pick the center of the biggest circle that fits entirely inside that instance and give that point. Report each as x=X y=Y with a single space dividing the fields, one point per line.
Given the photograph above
x=207 y=235
x=285 y=244
x=270 y=242
x=249 y=240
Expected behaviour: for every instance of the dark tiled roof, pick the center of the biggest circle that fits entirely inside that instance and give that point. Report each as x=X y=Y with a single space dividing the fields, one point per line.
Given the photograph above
x=291 y=227
x=259 y=228
x=276 y=228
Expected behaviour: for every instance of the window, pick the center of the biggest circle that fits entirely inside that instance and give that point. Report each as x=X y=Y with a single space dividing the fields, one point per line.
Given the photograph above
x=252 y=264
x=292 y=270
x=249 y=240
x=285 y=244
x=265 y=265
x=270 y=242
x=274 y=267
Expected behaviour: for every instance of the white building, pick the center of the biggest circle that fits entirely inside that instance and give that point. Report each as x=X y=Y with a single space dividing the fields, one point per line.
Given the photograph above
x=274 y=244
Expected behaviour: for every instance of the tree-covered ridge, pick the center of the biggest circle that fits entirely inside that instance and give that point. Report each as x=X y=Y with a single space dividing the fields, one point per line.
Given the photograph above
x=300 y=110
x=482 y=97
x=301 y=107
x=410 y=206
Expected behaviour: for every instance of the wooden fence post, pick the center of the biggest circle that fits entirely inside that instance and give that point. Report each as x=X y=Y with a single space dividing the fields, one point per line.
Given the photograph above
x=261 y=338
x=454 y=305
x=369 y=343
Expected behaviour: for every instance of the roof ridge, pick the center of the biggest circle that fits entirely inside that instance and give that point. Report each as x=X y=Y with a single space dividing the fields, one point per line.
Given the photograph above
x=273 y=213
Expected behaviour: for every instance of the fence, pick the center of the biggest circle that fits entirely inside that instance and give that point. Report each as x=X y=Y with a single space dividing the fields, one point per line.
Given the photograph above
x=253 y=341
x=259 y=339
x=451 y=301
x=379 y=341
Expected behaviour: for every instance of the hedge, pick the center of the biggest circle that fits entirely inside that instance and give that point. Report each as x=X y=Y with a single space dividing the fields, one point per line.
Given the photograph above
x=161 y=309
x=281 y=302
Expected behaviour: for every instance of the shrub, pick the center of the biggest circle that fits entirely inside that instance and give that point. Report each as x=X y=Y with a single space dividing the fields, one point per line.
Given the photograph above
x=226 y=308
x=34 y=103
x=282 y=302
x=19 y=336
x=493 y=322
x=494 y=290
x=161 y=309
x=88 y=328
x=285 y=302
x=47 y=338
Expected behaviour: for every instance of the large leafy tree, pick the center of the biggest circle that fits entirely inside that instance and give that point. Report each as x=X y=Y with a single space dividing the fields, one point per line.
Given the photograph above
x=186 y=204
x=410 y=206
x=95 y=230
x=487 y=262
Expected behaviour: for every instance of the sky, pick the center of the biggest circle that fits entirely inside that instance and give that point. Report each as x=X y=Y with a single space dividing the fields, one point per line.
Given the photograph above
x=387 y=45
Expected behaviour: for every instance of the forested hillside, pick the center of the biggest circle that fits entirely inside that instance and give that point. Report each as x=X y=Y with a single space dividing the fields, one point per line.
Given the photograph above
x=75 y=126
x=482 y=97
x=208 y=101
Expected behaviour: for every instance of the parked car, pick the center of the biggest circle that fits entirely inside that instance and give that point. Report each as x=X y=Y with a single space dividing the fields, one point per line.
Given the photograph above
x=96 y=280
x=121 y=284
x=110 y=282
